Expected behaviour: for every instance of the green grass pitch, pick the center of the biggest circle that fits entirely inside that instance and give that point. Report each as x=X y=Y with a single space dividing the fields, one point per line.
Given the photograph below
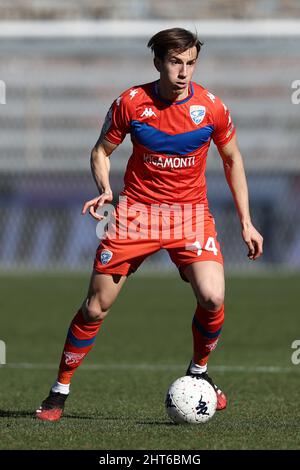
x=117 y=398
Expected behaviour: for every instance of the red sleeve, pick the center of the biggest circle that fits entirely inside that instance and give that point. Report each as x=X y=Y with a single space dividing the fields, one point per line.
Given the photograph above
x=117 y=121
x=224 y=128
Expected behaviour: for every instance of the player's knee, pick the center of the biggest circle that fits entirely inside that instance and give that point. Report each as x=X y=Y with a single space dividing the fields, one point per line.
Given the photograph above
x=93 y=315
x=212 y=300
x=94 y=310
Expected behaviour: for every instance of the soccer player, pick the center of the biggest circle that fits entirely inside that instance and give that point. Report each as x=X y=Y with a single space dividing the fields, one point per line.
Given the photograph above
x=171 y=122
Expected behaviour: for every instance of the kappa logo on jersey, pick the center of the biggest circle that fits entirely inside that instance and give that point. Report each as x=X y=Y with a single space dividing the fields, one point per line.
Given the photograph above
x=106 y=256
x=211 y=96
x=197 y=113
x=73 y=358
x=133 y=93
x=148 y=112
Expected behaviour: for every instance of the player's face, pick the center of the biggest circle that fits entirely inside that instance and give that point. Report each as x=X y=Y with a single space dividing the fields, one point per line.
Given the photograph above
x=176 y=71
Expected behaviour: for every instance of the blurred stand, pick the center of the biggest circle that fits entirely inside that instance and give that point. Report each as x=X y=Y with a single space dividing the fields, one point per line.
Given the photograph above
x=58 y=92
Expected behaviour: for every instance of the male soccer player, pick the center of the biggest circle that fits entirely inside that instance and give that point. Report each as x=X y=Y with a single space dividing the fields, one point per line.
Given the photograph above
x=171 y=122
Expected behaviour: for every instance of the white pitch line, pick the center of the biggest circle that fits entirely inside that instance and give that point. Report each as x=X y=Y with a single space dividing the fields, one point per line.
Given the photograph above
x=157 y=367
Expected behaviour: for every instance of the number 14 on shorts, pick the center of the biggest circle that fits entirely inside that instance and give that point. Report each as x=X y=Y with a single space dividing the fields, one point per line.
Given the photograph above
x=210 y=245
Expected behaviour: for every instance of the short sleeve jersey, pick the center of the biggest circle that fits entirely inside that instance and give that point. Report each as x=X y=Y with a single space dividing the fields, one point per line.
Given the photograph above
x=170 y=141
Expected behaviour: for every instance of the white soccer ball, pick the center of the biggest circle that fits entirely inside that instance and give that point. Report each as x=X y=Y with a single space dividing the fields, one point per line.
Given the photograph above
x=191 y=400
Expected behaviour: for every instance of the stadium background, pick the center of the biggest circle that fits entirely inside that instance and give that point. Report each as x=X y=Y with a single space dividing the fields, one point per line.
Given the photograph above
x=60 y=87
x=60 y=80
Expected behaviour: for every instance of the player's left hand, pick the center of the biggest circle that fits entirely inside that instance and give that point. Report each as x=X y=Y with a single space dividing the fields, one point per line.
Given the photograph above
x=253 y=240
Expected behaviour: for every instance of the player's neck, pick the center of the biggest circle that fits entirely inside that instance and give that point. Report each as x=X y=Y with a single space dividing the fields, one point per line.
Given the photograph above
x=168 y=94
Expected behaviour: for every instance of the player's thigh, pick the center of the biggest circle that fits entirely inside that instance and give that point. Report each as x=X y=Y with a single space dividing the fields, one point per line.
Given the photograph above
x=208 y=282
x=103 y=291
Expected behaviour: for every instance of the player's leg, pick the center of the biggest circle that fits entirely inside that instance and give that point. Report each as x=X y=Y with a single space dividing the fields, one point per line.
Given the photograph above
x=201 y=264
x=116 y=258
x=103 y=290
x=207 y=281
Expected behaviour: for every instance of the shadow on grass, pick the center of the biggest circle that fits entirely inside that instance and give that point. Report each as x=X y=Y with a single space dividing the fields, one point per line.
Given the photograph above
x=15 y=414
x=156 y=423
x=31 y=414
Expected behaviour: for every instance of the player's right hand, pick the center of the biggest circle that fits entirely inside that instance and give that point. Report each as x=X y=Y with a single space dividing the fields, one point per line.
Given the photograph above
x=97 y=202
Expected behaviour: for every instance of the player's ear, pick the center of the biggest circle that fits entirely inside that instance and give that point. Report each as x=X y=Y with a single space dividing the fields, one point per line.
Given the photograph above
x=157 y=63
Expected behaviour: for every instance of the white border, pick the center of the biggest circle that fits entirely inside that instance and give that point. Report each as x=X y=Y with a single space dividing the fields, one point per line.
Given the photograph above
x=141 y=28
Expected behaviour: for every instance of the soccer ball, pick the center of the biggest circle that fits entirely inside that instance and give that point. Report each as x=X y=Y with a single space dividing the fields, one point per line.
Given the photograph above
x=191 y=400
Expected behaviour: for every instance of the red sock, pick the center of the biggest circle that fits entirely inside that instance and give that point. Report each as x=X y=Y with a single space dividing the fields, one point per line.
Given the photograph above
x=80 y=340
x=206 y=327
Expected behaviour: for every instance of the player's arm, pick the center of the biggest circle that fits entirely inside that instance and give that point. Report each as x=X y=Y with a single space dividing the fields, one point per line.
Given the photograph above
x=100 y=166
x=115 y=127
x=236 y=179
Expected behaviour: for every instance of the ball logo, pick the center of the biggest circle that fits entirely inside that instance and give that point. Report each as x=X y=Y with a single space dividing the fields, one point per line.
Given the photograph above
x=202 y=407
x=105 y=256
x=197 y=113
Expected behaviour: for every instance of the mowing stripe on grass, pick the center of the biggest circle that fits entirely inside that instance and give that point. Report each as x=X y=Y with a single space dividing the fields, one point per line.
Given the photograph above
x=159 y=367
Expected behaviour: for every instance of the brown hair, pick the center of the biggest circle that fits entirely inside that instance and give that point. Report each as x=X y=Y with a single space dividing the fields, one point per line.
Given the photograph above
x=174 y=39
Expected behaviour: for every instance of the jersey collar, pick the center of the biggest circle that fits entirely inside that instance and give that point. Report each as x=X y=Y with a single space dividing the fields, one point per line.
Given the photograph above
x=156 y=94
